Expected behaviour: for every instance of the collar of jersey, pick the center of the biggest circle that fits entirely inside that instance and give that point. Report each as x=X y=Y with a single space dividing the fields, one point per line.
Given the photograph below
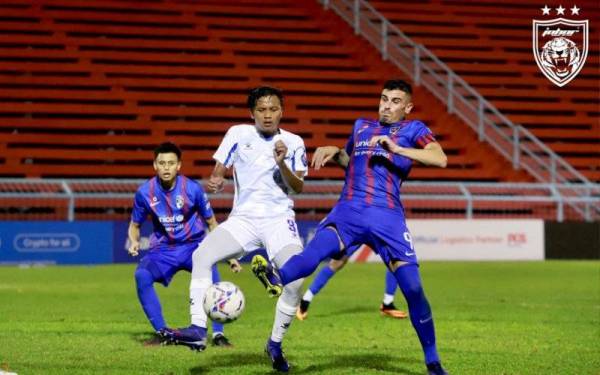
x=266 y=138
x=163 y=189
x=397 y=123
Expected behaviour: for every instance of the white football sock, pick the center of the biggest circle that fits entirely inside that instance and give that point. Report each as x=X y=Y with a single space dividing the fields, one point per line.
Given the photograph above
x=197 y=290
x=388 y=298
x=284 y=315
x=308 y=296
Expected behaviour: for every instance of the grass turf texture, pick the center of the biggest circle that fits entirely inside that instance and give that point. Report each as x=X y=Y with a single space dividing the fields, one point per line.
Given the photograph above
x=491 y=318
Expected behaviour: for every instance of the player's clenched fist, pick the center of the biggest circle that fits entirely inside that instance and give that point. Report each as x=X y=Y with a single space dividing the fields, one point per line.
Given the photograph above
x=134 y=248
x=385 y=142
x=215 y=184
x=279 y=151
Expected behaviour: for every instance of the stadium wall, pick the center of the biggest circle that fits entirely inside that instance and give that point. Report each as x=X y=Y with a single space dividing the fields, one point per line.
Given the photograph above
x=572 y=240
x=98 y=242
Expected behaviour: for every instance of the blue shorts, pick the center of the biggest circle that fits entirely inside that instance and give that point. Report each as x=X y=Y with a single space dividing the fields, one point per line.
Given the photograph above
x=164 y=263
x=383 y=229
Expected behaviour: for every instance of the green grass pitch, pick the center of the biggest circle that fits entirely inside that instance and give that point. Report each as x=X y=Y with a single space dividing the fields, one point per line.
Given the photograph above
x=491 y=318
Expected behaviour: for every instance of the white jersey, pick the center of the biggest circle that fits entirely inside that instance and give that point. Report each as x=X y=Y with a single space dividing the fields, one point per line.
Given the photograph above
x=259 y=187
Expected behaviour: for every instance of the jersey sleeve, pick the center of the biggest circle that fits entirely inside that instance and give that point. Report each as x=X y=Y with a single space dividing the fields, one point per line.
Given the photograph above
x=140 y=210
x=227 y=150
x=350 y=142
x=422 y=135
x=298 y=159
x=203 y=203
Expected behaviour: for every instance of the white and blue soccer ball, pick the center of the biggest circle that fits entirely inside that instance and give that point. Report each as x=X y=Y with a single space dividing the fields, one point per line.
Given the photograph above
x=224 y=302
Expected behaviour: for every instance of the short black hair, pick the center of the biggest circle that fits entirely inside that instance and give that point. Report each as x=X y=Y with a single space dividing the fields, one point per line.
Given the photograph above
x=262 y=91
x=166 y=148
x=398 y=84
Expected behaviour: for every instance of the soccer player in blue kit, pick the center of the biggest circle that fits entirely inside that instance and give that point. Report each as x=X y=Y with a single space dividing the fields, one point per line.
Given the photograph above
x=387 y=307
x=180 y=211
x=378 y=157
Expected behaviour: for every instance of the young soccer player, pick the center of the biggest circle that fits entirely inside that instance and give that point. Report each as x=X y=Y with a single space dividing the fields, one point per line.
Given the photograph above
x=268 y=163
x=387 y=307
x=378 y=157
x=180 y=212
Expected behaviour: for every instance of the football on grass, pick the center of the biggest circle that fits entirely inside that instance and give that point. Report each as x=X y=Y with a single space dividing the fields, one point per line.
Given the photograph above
x=224 y=302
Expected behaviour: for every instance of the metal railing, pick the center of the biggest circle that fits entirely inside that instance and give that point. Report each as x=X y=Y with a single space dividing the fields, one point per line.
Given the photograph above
x=514 y=142
x=421 y=199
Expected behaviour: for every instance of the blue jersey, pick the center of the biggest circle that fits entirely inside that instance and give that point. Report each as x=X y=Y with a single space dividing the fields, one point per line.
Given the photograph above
x=374 y=175
x=177 y=215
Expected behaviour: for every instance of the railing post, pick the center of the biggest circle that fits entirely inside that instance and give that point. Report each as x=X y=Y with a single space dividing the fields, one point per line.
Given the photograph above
x=560 y=210
x=553 y=168
x=469 y=197
x=480 y=120
x=71 y=210
x=356 y=13
x=588 y=203
x=384 y=39
x=516 y=148
x=417 y=64
x=450 y=88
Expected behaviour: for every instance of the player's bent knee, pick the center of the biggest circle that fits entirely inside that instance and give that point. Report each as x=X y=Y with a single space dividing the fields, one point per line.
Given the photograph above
x=202 y=257
x=143 y=278
x=288 y=304
x=338 y=264
x=200 y=283
x=285 y=254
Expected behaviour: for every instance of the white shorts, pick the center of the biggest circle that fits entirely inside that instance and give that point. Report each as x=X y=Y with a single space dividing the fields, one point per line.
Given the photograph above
x=272 y=233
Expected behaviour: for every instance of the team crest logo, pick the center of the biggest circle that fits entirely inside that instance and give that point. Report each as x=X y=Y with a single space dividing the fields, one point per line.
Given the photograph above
x=560 y=45
x=179 y=202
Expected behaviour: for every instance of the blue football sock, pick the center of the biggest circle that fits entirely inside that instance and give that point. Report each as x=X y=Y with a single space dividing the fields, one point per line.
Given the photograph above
x=322 y=278
x=148 y=298
x=390 y=283
x=324 y=244
x=420 y=313
x=216 y=277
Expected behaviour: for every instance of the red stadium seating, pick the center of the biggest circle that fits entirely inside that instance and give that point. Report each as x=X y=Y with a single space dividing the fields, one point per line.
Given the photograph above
x=89 y=88
x=488 y=43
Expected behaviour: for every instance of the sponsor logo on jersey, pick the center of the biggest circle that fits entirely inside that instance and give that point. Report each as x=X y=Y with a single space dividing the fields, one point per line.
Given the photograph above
x=171 y=219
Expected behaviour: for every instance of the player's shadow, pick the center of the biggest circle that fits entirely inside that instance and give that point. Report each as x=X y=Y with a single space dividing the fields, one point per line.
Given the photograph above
x=233 y=363
x=346 y=311
x=373 y=361
x=239 y=362
x=146 y=338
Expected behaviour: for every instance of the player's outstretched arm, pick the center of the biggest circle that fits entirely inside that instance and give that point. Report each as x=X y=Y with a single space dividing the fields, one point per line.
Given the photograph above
x=325 y=153
x=431 y=154
x=293 y=180
x=134 y=239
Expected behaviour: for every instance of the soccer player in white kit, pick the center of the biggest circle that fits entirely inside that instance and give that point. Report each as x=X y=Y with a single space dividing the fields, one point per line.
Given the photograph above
x=268 y=163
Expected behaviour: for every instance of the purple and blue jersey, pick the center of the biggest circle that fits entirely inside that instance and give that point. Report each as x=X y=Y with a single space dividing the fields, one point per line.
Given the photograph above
x=369 y=210
x=374 y=175
x=177 y=215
